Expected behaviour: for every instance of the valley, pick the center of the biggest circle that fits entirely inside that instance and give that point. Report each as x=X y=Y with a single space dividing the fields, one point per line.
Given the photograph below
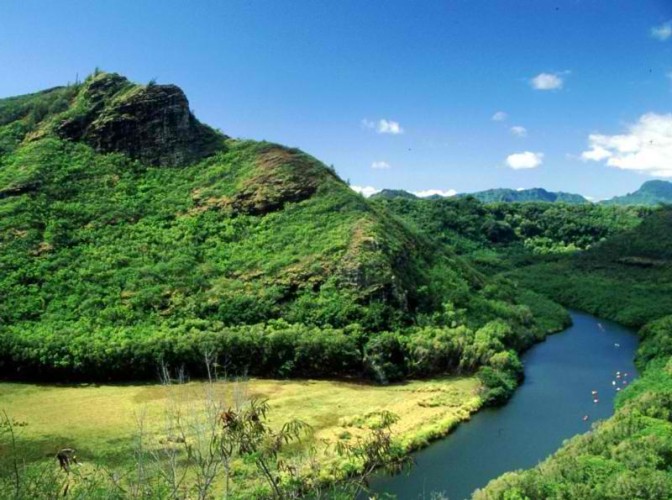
x=339 y=333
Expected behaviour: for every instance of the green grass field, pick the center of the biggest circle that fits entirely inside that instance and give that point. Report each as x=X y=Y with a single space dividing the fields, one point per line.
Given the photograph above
x=103 y=422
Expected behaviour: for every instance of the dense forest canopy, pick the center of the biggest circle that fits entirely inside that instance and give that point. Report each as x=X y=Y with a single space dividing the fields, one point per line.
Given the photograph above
x=132 y=235
x=610 y=260
x=627 y=278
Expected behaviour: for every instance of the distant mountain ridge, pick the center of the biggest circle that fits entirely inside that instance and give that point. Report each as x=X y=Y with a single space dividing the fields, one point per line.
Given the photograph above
x=525 y=195
x=393 y=193
x=650 y=193
x=498 y=195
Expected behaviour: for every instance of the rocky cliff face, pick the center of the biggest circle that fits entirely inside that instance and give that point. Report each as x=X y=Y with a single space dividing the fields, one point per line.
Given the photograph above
x=150 y=123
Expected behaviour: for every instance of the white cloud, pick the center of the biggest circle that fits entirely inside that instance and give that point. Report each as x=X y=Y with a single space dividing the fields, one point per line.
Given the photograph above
x=662 y=32
x=380 y=165
x=645 y=148
x=383 y=126
x=524 y=160
x=597 y=153
x=389 y=127
x=365 y=191
x=547 y=81
x=519 y=131
x=431 y=192
x=499 y=116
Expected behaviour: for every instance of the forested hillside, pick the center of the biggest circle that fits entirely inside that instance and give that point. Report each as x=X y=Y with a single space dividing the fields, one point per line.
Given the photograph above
x=133 y=235
x=614 y=262
x=627 y=278
x=467 y=225
x=393 y=193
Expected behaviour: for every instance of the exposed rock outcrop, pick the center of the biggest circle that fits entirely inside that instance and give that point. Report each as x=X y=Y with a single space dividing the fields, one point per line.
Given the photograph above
x=150 y=123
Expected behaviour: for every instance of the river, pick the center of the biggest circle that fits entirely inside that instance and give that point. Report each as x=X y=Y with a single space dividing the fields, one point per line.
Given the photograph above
x=549 y=407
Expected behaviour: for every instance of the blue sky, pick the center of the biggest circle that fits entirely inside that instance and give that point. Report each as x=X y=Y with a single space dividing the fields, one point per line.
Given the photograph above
x=408 y=87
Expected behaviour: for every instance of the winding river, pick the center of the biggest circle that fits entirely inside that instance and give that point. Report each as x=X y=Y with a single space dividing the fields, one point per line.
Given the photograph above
x=554 y=403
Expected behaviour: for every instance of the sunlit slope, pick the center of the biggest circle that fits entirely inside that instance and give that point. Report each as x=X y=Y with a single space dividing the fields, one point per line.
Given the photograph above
x=123 y=218
x=240 y=236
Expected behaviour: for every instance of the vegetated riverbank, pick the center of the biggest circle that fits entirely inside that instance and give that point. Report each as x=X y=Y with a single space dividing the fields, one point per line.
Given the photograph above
x=569 y=384
x=103 y=423
x=627 y=279
x=626 y=456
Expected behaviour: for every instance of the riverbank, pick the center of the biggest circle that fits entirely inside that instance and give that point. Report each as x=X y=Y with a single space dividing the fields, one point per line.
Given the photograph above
x=103 y=422
x=568 y=387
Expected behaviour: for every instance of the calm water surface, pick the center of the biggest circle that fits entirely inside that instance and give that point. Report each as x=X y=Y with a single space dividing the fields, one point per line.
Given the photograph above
x=547 y=408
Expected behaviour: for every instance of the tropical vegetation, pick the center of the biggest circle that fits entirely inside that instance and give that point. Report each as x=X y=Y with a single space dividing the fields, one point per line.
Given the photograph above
x=136 y=240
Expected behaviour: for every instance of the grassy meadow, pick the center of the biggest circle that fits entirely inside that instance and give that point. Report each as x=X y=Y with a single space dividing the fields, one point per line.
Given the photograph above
x=103 y=422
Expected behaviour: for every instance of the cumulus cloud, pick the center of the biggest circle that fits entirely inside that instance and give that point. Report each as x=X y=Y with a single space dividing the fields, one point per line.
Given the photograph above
x=519 y=131
x=383 y=126
x=645 y=148
x=527 y=159
x=662 y=32
x=380 y=165
x=365 y=191
x=431 y=192
x=547 y=81
x=499 y=116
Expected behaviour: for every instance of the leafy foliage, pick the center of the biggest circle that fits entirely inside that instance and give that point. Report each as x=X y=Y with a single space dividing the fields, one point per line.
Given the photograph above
x=627 y=278
x=611 y=261
x=520 y=230
x=112 y=262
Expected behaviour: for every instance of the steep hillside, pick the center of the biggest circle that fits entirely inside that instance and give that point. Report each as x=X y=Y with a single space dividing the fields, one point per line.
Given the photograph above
x=650 y=193
x=525 y=195
x=132 y=234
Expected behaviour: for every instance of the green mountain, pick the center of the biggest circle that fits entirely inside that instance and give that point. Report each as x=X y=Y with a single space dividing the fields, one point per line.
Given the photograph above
x=119 y=207
x=131 y=234
x=393 y=193
x=494 y=196
x=650 y=193
x=525 y=195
